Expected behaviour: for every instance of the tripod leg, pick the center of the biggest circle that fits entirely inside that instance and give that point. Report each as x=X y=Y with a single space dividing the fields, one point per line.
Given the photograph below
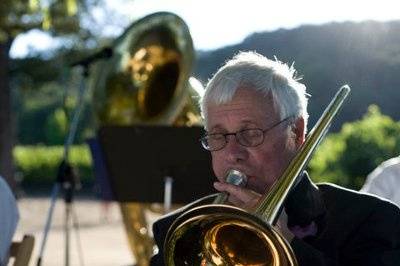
x=54 y=194
x=67 y=233
x=78 y=237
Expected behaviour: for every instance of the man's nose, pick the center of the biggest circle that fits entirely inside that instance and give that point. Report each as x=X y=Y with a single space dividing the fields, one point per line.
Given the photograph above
x=235 y=151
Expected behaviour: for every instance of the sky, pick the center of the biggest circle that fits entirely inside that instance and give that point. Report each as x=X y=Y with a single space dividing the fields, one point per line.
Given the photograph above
x=217 y=23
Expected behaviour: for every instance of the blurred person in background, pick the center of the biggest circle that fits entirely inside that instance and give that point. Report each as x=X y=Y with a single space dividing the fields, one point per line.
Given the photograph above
x=384 y=181
x=9 y=217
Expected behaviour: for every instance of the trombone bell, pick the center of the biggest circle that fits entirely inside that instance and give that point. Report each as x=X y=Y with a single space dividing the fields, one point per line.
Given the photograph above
x=225 y=235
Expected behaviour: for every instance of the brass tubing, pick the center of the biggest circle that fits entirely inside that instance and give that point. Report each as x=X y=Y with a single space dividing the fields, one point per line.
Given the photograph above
x=271 y=202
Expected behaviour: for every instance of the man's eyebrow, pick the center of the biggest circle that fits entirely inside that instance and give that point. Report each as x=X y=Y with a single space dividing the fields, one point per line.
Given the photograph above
x=248 y=122
x=215 y=127
x=243 y=124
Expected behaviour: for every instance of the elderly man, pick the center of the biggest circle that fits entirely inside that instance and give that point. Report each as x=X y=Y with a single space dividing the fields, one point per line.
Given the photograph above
x=255 y=114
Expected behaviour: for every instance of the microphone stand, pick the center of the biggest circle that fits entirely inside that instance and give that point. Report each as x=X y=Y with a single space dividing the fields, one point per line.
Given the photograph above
x=67 y=180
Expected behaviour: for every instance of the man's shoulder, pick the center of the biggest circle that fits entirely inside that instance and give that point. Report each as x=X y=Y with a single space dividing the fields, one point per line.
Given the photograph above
x=347 y=199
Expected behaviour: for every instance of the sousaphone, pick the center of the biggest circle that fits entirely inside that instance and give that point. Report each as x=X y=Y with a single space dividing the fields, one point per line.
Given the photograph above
x=147 y=82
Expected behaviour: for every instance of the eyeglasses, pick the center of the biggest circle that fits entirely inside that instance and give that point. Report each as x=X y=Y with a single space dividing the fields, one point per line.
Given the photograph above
x=247 y=137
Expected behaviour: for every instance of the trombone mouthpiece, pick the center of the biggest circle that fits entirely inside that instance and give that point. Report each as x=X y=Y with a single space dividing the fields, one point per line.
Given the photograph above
x=236 y=178
x=233 y=177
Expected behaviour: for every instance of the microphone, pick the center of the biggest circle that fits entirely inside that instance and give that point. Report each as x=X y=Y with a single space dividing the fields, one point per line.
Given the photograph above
x=106 y=52
x=233 y=177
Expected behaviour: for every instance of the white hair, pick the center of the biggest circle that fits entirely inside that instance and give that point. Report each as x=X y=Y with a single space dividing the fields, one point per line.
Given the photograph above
x=250 y=70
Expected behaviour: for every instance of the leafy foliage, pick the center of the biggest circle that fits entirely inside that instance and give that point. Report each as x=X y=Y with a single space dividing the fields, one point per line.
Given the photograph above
x=58 y=17
x=18 y=16
x=348 y=156
x=37 y=165
x=56 y=127
x=39 y=103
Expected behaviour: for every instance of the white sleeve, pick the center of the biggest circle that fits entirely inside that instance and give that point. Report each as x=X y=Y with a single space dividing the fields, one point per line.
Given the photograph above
x=379 y=183
x=9 y=219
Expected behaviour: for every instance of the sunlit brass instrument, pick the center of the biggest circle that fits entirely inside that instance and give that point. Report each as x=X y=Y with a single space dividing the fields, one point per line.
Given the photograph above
x=147 y=81
x=219 y=234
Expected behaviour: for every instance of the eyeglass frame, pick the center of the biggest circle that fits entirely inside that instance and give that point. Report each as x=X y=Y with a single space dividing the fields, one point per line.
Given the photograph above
x=264 y=132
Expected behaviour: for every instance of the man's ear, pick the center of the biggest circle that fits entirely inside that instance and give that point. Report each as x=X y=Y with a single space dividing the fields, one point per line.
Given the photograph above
x=298 y=130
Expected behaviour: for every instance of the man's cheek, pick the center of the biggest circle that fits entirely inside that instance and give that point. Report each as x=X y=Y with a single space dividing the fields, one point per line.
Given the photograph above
x=217 y=168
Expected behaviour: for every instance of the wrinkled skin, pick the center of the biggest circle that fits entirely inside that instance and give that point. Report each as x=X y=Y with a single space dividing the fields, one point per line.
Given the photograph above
x=262 y=164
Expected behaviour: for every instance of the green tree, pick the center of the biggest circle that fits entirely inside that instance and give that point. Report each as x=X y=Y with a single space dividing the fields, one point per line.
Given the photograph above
x=57 y=17
x=16 y=17
x=56 y=127
x=347 y=157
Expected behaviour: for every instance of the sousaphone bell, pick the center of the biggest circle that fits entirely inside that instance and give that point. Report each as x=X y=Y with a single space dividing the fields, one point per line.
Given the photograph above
x=147 y=82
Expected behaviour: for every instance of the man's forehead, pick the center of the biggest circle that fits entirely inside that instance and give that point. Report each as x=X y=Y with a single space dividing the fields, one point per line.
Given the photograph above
x=252 y=92
x=242 y=109
x=244 y=99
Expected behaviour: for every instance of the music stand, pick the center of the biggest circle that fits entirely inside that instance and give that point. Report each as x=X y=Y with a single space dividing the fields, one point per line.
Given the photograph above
x=139 y=158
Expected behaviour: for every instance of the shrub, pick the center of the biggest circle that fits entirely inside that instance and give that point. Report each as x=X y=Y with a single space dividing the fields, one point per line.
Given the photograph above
x=347 y=157
x=38 y=165
x=56 y=127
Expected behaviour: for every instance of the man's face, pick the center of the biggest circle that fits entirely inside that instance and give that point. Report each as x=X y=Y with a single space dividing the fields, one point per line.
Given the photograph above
x=262 y=164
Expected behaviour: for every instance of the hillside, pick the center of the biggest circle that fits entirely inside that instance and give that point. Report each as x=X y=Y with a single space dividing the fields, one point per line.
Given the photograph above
x=364 y=55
